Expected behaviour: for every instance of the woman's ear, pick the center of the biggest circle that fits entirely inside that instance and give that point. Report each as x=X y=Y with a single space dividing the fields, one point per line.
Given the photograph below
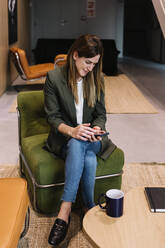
x=75 y=55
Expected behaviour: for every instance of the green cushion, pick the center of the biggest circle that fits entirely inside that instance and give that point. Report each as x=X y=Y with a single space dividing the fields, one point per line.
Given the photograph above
x=47 y=169
x=112 y=165
x=33 y=117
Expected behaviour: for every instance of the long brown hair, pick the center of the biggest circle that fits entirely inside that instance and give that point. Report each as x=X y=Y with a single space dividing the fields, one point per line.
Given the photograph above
x=87 y=46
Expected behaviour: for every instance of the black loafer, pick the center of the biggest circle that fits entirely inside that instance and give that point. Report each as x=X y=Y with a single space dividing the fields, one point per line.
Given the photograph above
x=58 y=232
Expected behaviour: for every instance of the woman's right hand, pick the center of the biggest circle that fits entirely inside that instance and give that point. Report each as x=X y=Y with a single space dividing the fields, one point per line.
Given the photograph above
x=82 y=132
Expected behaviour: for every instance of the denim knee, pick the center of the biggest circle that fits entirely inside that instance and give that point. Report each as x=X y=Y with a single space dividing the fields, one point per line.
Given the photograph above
x=75 y=153
x=74 y=164
x=73 y=145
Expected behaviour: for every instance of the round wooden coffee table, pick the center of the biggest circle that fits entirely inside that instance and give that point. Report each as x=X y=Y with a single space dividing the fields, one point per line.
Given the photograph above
x=137 y=228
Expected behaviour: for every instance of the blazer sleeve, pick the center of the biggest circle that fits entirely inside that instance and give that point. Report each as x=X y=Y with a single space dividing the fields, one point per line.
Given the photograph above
x=52 y=108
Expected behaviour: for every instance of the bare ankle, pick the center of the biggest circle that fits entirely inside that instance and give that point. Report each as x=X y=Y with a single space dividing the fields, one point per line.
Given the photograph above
x=65 y=210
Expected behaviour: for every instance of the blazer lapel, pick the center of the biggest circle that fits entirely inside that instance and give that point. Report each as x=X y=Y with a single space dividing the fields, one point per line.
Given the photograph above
x=68 y=101
x=85 y=111
x=68 y=97
x=71 y=107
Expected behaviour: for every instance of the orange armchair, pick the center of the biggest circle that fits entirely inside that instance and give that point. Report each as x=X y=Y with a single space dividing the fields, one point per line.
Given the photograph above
x=26 y=71
x=13 y=209
x=60 y=59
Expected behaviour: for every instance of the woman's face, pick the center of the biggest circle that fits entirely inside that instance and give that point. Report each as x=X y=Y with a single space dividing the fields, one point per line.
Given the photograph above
x=84 y=65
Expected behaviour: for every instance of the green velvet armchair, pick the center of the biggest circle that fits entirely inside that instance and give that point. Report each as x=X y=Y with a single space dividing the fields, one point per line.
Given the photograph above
x=43 y=170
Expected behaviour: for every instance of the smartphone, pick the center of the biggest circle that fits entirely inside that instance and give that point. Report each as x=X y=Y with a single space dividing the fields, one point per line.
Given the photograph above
x=101 y=135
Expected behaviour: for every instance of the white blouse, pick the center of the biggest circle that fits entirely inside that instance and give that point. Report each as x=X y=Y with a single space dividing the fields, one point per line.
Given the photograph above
x=79 y=106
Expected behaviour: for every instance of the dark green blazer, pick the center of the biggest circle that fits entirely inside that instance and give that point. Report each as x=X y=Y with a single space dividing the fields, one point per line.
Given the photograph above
x=60 y=108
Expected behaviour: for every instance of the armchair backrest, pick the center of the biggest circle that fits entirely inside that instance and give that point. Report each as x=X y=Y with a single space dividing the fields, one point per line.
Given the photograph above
x=60 y=59
x=32 y=117
x=19 y=58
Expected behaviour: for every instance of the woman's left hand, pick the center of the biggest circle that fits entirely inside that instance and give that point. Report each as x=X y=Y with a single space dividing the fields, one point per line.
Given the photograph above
x=99 y=131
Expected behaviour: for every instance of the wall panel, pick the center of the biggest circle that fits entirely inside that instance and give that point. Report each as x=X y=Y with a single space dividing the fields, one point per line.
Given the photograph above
x=23 y=33
x=3 y=45
x=7 y=70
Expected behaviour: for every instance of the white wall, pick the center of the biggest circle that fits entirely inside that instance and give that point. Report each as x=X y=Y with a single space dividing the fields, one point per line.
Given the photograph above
x=63 y=19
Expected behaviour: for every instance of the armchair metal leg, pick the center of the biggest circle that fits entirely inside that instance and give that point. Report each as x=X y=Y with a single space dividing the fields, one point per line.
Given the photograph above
x=26 y=227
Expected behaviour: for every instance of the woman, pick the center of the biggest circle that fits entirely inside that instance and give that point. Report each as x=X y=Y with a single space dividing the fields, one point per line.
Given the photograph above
x=74 y=103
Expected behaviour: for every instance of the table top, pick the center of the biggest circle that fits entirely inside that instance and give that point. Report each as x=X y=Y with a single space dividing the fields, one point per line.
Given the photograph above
x=137 y=228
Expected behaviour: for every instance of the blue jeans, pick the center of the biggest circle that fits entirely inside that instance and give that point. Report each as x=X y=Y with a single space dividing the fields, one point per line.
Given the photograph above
x=80 y=165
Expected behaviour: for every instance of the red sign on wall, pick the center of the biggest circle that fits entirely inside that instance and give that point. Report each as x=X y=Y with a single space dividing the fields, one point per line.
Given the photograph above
x=91 y=8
